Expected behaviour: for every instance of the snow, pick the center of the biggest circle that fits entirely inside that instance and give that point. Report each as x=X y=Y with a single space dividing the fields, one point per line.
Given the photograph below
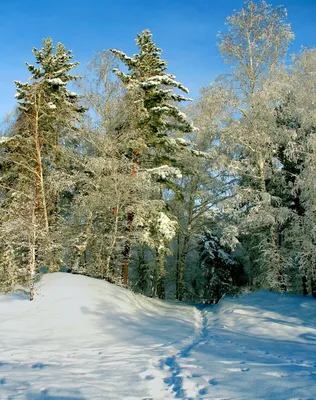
x=182 y=141
x=165 y=79
x=51 y=105
x=56 y=81
x=165 y=172
x=82 y=338
x=5 y=139
x=166 y=226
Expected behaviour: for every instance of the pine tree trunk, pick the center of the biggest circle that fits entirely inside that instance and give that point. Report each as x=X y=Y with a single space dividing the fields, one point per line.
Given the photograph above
x=181 y=267
x=39 y=211
x=278 y=261
x=184 y=253
x=40 y=196
x=32 y=264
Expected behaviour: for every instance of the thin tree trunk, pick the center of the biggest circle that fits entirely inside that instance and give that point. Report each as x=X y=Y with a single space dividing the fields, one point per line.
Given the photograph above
x=304 y=284
x=82 y=247
x=313 y=282
x=262 y=174
x=141 y=267
x=186 y=243
x=181 y=266
x=161 y=292
x=106 y=270
x=178 y=265
x=40 y=196
x=130 y=217
x=154 y=283
x=127 y=249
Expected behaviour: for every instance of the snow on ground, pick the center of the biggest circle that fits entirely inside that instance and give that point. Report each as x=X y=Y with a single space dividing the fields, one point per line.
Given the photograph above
x=85 y=339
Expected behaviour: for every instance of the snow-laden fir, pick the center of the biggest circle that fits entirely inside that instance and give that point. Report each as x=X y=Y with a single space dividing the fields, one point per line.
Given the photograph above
x=83 y=338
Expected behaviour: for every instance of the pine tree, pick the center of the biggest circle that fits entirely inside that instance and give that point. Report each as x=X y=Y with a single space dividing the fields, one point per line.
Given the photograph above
x=48 y=114
x=151 y=89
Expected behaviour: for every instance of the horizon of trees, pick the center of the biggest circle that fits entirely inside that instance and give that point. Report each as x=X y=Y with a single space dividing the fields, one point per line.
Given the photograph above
x=131 y=181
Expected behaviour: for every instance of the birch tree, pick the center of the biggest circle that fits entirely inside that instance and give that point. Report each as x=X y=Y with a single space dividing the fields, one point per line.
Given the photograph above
x=255 y=45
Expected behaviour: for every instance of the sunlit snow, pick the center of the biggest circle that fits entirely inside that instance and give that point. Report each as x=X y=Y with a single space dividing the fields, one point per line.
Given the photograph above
x=83 y=338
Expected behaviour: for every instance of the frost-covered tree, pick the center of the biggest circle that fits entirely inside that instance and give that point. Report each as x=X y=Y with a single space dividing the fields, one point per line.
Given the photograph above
x=220 y=269
x=256 y=40
x=255 y=45
x=32 y=155
x=106 y=190
x=151 y=89
x=296 y=122
x=202 y=186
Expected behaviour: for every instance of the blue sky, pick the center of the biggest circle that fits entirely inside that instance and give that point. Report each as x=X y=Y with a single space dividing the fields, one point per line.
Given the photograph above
x=185 y=30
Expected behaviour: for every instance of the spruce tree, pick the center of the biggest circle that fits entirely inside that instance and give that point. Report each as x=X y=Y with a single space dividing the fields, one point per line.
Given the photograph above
x=218 y=265
x=151 y=89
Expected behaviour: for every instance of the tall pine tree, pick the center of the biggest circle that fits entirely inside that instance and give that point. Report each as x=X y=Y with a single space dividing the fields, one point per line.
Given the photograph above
x=151 y=89
x=47 y=114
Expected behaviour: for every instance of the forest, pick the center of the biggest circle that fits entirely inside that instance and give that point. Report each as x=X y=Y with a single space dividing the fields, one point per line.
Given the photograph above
x=117 y=174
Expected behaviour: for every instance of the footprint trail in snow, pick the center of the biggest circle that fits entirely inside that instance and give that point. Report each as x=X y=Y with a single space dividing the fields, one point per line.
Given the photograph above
x=234 y=353
x=82 y=338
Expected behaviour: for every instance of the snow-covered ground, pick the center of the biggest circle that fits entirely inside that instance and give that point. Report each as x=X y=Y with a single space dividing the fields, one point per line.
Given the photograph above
x=82 y=338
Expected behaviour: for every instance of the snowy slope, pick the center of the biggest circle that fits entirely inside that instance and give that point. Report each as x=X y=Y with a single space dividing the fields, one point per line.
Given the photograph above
x=82 y=338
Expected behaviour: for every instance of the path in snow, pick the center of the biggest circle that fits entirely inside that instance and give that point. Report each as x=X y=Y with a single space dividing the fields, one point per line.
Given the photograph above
x=246 y=352
x=85 y=339
x=175 y=380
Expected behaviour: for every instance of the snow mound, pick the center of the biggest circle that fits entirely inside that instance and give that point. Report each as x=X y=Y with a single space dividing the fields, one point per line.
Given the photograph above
x=87 y=339
x=82 y=338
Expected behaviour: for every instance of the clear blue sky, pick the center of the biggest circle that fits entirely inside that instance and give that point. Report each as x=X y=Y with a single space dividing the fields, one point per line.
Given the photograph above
x=185 y=30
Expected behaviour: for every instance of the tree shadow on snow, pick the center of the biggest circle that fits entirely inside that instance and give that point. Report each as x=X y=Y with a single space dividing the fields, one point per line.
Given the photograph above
x=164 y=327
x=20 y=295
x=45 y=395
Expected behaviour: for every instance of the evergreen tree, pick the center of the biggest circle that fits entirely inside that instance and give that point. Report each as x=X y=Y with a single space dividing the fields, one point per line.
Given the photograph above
x=151 y=89
x=47 y=117
x=219 y=267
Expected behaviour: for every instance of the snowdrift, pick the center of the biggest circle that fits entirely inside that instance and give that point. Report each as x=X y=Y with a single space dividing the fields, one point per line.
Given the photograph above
x=83 y=338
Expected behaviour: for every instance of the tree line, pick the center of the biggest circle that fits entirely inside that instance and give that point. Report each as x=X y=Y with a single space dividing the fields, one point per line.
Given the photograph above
x=127 y=179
